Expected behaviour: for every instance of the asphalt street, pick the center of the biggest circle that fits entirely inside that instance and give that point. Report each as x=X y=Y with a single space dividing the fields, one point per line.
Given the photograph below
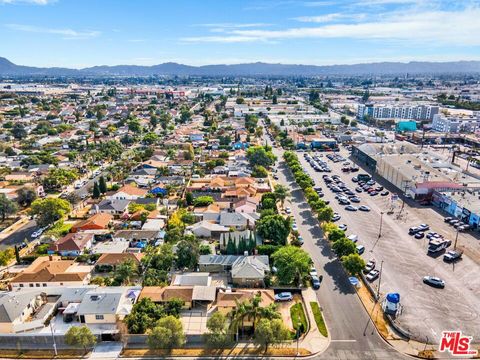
x=20 y=235
x=352 y=332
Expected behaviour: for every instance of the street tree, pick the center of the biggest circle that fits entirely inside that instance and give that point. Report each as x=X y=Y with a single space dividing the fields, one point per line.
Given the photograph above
x=325 y=214
x=292 y=264
x=344 y=247
x=49 y=210
x=275 y=228
x=7 y=207
x=258 y=155
x=25 y=196
x=270 y=332
x=217 y=335
x=167 y=334
x=96 y=191
x=80 y=336
x=353 y=263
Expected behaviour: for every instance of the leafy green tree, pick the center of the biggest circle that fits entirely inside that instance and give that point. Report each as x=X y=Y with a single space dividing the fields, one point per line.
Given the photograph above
x=18 y=131
x=80 y=336
x=292 y=264
x=150 y=138
x=57 y=177
x=134 y=126
x=143 y=316
x=274 y=228
x=203 y=201
x=325 y=214
x=7 y=206
x=270 y=332
x=268 y=201
x=6 y=256
x=258 y=155
x=187 y=253
x=25 y=196
x=217 y=335
x=336 y=234
x=167 y=334
x=259 y=172
x=343 y=247
x=49 y=210
x=102 y=185
x=353 y=263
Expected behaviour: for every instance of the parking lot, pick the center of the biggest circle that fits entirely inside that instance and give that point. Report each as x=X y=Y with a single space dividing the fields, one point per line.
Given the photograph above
x=426 y=311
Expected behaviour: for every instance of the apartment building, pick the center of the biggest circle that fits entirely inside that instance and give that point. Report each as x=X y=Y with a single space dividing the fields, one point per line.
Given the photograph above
x=397 y=111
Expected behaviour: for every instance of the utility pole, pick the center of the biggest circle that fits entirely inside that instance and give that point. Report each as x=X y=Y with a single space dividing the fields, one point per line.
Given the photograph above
x=53 y=338
x=456 y=239
x=381 y=222
x=379 y=281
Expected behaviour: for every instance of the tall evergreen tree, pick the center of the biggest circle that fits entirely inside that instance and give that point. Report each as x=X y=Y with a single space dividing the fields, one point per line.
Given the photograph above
x=102 y=185
x=96 y=191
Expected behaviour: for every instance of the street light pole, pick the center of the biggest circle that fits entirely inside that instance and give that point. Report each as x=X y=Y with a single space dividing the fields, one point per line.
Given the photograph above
x=456 y=239
x=298 y=337
x=53 y=338
x=379 y=281
x=381 y=222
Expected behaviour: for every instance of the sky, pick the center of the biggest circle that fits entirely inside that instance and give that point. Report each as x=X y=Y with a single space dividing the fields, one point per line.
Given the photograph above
x=82 y=33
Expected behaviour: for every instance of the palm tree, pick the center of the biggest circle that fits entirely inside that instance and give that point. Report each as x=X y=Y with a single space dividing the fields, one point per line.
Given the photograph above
x=126 y=270
x=281 y=193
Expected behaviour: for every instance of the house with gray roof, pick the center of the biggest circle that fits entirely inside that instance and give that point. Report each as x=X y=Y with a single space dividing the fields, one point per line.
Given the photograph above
x=250 y=271
x=115 y=207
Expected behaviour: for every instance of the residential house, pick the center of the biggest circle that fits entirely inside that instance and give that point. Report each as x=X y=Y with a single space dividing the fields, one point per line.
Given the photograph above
x=238 y=221
x=207 y=229
x=196 y=296
x=107 y=305
x=25 y=311
x=117 y=208
x=99 y=221
x=115 y=259
x=52 y=271
x=228 y=300
x=128 y=192
x=250 y=271
x=72 y=244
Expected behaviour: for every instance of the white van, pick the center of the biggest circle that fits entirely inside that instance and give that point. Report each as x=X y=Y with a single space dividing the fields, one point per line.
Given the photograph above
x=353 y=238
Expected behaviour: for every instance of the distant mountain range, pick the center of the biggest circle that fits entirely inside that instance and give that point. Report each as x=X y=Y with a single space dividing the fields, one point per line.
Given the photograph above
x=7 y=68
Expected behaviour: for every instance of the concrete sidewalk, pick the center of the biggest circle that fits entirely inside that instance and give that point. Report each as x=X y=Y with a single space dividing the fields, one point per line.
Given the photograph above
x=313 y=341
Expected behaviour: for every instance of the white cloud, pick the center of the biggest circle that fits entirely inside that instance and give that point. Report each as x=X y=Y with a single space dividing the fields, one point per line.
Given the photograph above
x=432 y=28
x=34 y=2
x=68 y=34
x=330 y=17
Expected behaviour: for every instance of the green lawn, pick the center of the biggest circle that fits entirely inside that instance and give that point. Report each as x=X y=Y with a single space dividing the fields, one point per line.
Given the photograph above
x=298 y=317
x=319 y=319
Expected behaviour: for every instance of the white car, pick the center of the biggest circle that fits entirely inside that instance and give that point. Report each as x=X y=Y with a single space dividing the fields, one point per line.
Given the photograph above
x=288 y=210
x=294 y=227
x=343 y=227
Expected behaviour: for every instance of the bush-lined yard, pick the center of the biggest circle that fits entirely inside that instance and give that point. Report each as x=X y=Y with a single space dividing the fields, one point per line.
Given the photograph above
x=299 y=320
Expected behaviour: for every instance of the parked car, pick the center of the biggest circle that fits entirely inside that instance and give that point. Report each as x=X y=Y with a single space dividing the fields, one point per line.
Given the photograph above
x=343 y=227
x=419 y=235
x=351 y=208
x=364 y=208
x=315 y=282
x=288 y=210
x=369 y=266
x=284 y=296
x=373 y=275
x=313 y=271
x=384 y=193
x=353 y=238
x=452 y=256
x=434 y=281
x=360 y=249
x=336 y=217
x=448 y=219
